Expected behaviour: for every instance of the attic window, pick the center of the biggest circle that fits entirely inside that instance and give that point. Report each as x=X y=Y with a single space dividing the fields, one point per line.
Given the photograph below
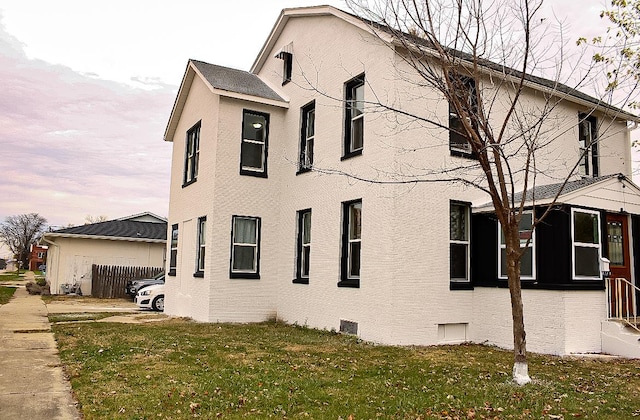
x=286 y=55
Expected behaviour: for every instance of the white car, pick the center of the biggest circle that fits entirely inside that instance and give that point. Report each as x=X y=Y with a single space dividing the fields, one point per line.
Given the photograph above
x=151 y=297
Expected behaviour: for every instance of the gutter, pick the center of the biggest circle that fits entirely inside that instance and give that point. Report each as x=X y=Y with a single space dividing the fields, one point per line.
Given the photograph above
x=110 y=238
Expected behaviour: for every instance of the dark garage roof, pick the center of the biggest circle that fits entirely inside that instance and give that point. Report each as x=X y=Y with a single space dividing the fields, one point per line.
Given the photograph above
x=118 y=229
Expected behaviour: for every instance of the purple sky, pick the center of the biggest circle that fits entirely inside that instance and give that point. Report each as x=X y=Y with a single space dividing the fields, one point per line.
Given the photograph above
x=74 y=145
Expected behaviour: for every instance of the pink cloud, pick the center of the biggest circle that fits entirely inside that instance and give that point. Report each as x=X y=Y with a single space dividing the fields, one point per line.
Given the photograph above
x=73 y=145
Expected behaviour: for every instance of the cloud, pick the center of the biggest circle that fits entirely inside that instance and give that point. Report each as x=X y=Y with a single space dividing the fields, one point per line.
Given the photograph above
x=73 y=145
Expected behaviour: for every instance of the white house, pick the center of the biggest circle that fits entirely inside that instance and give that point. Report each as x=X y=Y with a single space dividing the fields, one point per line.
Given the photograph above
x=262 y=225
x=138 y=240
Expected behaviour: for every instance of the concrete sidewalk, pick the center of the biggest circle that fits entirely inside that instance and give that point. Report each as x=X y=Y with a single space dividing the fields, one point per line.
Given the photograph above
x=32 y=384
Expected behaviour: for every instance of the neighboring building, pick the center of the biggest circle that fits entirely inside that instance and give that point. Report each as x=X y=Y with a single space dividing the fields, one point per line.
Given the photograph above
x=255 y=233
x=37 y=256
x=137 y=240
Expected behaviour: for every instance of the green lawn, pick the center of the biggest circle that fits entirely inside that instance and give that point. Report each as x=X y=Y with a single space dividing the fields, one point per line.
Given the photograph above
x=178 y=369
x=6 y=293
x=12 y=276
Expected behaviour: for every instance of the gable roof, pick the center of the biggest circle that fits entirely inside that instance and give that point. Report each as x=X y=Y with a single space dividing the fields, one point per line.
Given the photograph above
x=543 y=192
x=386 y=34
x=146 y=216
x=223 y=81
x=233 y=80
x=578 y=191
x=128 y=230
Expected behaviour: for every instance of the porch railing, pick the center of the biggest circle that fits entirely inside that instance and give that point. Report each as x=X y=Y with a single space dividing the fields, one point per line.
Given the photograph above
x=622 y=302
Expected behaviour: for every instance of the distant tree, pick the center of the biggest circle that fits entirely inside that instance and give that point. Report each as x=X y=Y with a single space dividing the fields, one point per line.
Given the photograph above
x=89 y=219
x=20 y=232
x=619 y=49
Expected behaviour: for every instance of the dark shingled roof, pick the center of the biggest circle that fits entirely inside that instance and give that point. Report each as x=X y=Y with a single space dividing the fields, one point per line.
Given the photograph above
x=542 y=192
x=232 y=80
x=120 y=229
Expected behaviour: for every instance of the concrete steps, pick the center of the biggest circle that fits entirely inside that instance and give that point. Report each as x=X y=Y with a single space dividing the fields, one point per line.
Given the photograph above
x=620 y=340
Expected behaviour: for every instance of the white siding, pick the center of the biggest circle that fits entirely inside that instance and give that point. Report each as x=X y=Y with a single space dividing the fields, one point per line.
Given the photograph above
x=70 y=259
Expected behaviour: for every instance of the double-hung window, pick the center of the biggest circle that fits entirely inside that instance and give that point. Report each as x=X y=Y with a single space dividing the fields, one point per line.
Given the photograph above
x=255 y=134
x=191 y=155
x=303 y=247
x=459 y=242
x=588 y=145
x=527 y=246
x=351 y=243
x=466 y=95
x=587 y=249
x=173 y=252
x=245 y=247
x=307 y=137
x=354 y=117
x=202 y=234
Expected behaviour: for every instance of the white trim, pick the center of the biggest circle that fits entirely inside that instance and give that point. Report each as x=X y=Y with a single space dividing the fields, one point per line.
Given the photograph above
x=202 y=243
x=110 y=238
x=467 y=242
x=254 y=270
x=584 y=245
x=145 y=213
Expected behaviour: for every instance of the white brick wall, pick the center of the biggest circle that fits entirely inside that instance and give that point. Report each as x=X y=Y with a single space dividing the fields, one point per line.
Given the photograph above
x=404 y=289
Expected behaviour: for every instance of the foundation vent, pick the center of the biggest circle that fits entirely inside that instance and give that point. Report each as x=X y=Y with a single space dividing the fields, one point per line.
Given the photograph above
x=348 y=327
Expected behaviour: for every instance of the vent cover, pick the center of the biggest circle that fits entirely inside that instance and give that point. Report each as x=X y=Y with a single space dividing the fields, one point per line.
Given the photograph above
x=348 y=327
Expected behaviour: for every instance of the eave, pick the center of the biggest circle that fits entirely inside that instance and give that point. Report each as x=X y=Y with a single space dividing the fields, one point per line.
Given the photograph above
x=187 y=80
x=52 y=235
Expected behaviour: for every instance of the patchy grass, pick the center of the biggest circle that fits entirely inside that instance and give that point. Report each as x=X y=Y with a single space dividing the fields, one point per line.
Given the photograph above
x=82 y=299
x=80 y=316
x=178 y=369
x=6 y=293
x=12 y=276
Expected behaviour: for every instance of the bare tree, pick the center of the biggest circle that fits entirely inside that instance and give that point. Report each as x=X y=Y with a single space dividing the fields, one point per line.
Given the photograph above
x=20 y=232
x=89 y=219
x=453 y=46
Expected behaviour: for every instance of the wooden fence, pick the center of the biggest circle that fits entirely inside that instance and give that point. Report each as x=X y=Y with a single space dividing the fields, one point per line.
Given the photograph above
x=109 y=281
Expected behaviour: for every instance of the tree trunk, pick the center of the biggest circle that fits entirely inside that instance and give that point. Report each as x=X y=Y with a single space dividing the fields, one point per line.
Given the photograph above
x=520 y=366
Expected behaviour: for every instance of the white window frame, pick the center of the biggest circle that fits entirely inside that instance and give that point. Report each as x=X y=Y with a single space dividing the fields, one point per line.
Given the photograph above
x=202 y=234
x=351 y=104
x=192 y=154
x=575 y=244
x=351 y=241
x=262 y=170
x=532 y=245
x=255 y=245
x=302 y=245
x=465 y=242
x=173 y=247
x=471 y=87
x=307 y=143
x=588 y=147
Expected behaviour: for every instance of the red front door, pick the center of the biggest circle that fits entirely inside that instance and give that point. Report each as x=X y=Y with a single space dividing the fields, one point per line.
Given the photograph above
x=620 y=264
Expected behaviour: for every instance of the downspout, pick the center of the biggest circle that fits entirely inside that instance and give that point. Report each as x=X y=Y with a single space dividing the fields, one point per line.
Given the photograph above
x=57 y=264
